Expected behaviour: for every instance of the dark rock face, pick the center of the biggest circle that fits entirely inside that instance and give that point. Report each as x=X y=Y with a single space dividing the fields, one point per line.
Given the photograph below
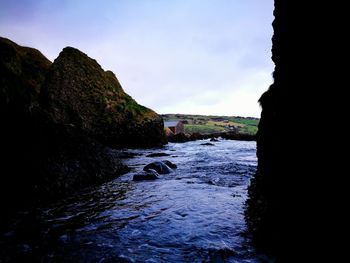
x=68 y=161
x=51 y=151
x=285 y=196
x=196 y=136
x=23 y=72
x=159 y=167
x=180 y=137
x=237 y=136
x=78 y=91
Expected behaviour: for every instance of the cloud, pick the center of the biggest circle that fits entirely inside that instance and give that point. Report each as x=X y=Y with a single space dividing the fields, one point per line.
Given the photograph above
x=209 y=57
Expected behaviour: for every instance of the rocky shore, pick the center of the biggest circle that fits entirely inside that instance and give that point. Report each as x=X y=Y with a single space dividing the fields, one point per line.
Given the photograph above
x=184 y=137
x=62 y=124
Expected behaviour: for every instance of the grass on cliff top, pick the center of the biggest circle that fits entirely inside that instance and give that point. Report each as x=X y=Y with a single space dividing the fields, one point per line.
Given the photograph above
x=121 y=106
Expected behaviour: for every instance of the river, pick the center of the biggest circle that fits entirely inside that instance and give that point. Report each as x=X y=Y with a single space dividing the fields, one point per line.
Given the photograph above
x=194 y=214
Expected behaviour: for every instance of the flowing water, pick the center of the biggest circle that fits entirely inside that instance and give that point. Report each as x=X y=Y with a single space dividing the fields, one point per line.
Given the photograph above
x=194 y=214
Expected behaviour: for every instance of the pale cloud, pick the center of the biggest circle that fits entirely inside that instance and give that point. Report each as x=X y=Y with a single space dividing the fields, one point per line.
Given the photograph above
x=186 y=56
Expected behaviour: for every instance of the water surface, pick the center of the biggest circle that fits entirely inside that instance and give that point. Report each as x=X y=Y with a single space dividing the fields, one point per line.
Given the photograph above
x=194 y=214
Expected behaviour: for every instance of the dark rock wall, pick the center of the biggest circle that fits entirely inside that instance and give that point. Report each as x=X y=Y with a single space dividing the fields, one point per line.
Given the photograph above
x=287 y=197
x=55 y=132
x=23 y=71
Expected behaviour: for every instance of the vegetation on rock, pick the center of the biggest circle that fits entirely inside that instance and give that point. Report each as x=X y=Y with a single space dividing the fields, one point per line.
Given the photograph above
x=58 y=120
x=78 y=91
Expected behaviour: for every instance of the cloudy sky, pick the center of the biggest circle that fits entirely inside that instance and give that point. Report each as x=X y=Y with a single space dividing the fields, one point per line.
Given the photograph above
x=174 y=56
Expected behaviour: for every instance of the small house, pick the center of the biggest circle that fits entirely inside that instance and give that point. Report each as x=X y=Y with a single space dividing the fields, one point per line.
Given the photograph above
x=175 y=126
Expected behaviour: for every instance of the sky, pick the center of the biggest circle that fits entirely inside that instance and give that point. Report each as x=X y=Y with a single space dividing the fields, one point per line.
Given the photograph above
x=208 y=57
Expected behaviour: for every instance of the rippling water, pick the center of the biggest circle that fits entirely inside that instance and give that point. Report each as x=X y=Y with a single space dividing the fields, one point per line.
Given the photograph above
x=194 y=214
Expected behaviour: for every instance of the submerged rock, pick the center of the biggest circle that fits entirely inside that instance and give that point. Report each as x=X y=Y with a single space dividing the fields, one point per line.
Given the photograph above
x=150 y=174
x=157 y=154
x=208 y=144
x=158 y=166
x=214 y=140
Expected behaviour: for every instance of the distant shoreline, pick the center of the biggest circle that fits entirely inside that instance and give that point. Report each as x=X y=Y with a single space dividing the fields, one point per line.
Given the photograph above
x=212 y=124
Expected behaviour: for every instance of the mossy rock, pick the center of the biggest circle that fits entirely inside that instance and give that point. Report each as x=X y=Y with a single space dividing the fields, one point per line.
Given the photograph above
x=23 y=72
x=78 y=91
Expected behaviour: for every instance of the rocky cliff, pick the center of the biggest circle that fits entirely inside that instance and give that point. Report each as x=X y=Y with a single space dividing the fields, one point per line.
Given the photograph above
x=287 y=197
x=59 y=121
x=79 y=92
x=23 y=72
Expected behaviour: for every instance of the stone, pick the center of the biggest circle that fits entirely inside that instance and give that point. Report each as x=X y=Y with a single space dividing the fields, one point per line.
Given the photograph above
x=150 y=174
x=208 y=144
x=158 y=166
x=170 y=164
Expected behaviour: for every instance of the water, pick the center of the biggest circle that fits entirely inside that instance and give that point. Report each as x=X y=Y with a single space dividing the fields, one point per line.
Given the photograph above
x=194 y=214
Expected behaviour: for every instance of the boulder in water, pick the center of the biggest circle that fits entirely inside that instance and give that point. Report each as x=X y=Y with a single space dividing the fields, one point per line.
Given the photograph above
x=158 y=166
x=170 y=164
x=207 y=144
x=150 y=174
x=179 y=137
x=196 y=136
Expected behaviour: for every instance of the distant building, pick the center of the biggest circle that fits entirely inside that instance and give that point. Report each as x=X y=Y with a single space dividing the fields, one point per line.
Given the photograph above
x=175 y=126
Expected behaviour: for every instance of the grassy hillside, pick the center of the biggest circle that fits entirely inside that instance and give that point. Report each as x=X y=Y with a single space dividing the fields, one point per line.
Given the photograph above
x=211 y=124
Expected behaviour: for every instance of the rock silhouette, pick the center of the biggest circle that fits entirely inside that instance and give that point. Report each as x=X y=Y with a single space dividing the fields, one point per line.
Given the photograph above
x=285 y=204
x=78 y=91
x=159 y=167
x=150 y=174
x=170 y=164
x=59 y=121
